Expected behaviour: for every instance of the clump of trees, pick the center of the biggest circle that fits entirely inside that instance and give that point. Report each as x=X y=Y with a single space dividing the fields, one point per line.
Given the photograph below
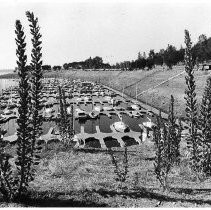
x=15 y=178
x=90 y=63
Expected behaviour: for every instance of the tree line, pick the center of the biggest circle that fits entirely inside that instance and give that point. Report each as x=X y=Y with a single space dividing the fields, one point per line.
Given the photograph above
x=168 y=57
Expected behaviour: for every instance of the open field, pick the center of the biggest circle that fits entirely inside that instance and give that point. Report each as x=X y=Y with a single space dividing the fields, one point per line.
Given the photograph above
x=158 y=97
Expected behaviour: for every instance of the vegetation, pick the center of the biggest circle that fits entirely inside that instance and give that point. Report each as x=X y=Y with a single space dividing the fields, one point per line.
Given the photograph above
x=205 y=124
x=15 y=178
x=35 y=89
x=65 y=120
x=121 y=172
x=167 y=139
x=24 y=145
x=193 y=140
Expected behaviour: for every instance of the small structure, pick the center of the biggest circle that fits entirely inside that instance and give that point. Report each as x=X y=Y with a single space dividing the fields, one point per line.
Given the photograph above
x=206 y=67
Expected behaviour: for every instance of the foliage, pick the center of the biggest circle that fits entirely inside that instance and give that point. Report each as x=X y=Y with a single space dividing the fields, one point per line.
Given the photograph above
x=57 y=68
x=46 y=67
x=24 y=128
x=205 y=125
x=202 y=49
x=65 y=121
x=121 y=173
x=171 y=56
x=15 y=178
x=193 y=140
x=163 y=159
x=174 y=131
x=167 y=138
x=36 y=89
x=7 y=184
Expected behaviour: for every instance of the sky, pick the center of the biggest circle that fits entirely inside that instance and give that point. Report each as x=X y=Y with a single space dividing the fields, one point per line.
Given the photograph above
x=116 y=30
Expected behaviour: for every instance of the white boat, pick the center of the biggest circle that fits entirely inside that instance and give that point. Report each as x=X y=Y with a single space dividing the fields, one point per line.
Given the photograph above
x=93 y=114
x=107 y=98
x=2 y=119
x=69 y=110
x=149 y=124
x=120 y=127
x=7 y=112
x=97 y=108
x=135 y=114
x=135 y=106
x=111 y=102
x=86 y=98
x=79 y=142
x=80 y=114
x=107 y=108
x=48 y=112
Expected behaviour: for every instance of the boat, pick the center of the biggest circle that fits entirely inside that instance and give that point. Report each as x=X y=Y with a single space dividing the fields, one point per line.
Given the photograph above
x=2 y=119
x=149 y=124
x=7 y=112
x=79 y=142
x=135 y=114
x=80 y=114
x=107 y=98
x=69 y=110
x=107 y=108
x=93 y=114
x=135 y=106
x=121 y=127
x=48 y=113
x=86 y=99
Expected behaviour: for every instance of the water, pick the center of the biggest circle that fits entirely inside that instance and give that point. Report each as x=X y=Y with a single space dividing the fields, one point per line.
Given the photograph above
x=6 y=83
x=111 y=142
x=129 y=141
x=2 y=72
x=103 y=121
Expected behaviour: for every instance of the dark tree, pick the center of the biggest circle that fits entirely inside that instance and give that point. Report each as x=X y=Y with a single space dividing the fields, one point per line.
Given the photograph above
x=205 y=125
x=36 y=88
x=24 y=128
x=46 y=67
x=191 y=106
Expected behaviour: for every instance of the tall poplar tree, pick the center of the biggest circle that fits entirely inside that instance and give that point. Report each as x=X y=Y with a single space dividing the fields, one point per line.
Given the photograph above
x=191 y=106
x=205 y=125
x=36 y=86
x=23 y=130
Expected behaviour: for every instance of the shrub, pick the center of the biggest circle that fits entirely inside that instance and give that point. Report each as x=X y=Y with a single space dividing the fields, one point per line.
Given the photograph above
x=121 y=172
x=205 y=125
x=167 y=138
x=193 y=140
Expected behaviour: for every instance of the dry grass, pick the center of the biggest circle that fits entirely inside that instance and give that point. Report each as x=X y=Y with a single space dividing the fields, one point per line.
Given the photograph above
x=75 y=178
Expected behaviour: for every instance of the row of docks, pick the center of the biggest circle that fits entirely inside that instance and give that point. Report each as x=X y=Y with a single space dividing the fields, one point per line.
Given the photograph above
x=80 y=94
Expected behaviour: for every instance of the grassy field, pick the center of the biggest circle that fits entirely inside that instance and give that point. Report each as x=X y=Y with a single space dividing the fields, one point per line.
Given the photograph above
x=81 y=178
